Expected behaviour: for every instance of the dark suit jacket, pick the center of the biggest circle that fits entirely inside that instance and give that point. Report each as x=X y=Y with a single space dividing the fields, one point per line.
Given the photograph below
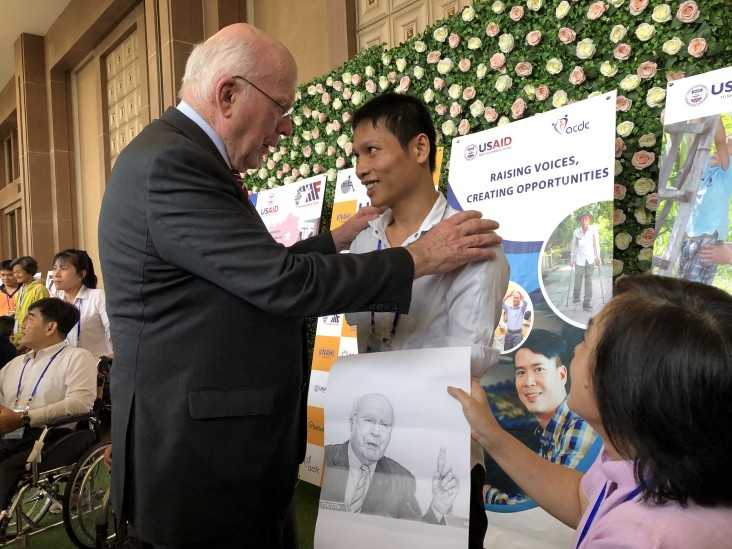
x=390 y=494
x=206 y=311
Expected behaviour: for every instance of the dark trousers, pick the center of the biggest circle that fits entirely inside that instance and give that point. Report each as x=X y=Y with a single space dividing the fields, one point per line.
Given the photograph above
x=478 y=518
x=583 y=272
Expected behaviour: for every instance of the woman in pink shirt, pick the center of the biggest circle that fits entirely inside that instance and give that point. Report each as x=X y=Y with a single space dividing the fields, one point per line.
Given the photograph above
x=653 y=377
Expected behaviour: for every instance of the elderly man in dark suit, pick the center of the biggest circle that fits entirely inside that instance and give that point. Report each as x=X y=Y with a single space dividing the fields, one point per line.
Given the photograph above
x=359 y=475
x=206 y=309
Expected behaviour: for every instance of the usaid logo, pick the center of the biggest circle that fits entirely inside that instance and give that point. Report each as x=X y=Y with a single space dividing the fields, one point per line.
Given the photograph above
x=471 y=151
x=696 y=95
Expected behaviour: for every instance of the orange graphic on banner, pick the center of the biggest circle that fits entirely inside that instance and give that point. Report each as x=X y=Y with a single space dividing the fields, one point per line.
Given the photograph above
x=346 y=329
x=316 y=426
x=342 y=212
x=325 y=352
x=438 y=166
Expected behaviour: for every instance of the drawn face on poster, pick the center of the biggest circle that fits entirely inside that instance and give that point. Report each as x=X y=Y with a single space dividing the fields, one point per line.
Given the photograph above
x=576 y=269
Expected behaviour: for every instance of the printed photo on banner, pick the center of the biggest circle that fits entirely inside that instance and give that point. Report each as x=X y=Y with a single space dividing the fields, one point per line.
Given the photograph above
x=396 y=451
x=516 y=319
x=548 y=180
x=694 y=199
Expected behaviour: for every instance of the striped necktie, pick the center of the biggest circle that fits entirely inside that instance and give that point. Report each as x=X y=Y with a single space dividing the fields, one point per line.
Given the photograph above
x=360 y=493
x=237 y=176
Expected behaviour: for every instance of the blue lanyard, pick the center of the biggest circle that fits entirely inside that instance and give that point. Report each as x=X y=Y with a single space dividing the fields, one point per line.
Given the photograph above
x=396 y=315
x=20 y=380
x=596 y=507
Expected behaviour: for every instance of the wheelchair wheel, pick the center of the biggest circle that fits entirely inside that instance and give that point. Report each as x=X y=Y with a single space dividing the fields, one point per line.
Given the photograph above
x=84 y=498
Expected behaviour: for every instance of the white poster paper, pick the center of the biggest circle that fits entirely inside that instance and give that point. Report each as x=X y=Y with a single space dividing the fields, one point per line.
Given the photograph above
x=411 y=430
x=699 y=96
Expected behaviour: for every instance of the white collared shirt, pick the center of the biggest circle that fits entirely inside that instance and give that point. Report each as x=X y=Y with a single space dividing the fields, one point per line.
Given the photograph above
x=456 y=309
x=69 y=386
x=92 y=330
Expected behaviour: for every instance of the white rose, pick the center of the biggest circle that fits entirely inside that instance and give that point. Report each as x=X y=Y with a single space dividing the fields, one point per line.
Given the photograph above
x=661 y=13
x=673 y=46
x=643 y=186
x=498 y=7
x=505 y=43
x=347 y=77
x=477 y=108
x=617 y=33
x=646 y=254
x=625 y=128
x=297 y=120
x=530 y=91
x=383 y=82
x=449 y=128
x=277 y=156
x=440 y=34
x=474 y=43
x=401 y=64
x=342 y=140
x=312 y=90
x=534 y=5
x=622 y=240
x=618 y=168
x=655 y=96
x=585 y=48
x=481 y=70
x=429 y=95
x=554 y=66
x=559 y=99
x=320 y=147
x=594 y=94
x=418 y=73
x=647 y=140
x=444 y=65
x=616 y=3
x=642 y=216
x=304 y=170
x=337 y=103
x=608 y=69
x=370 y=71
x=562 y=9
x=385 y=58
x=468 y=13
x=645 y=32
x=420 y=46
x=503 y=82
x=630 y=82
x=262 y=173
x=307 y=135
x=617 y=267
x=331 y=174
x=503 y=121
x=454 y=91
x=356 y=98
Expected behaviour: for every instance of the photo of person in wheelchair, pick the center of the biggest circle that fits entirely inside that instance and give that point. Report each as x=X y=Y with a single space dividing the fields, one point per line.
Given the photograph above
x=51 y=381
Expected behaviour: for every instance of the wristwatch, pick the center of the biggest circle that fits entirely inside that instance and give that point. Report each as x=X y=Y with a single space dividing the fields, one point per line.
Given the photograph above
x=26 y=418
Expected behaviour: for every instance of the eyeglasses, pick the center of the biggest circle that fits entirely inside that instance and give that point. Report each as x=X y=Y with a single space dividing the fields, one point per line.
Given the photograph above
x=285 y=110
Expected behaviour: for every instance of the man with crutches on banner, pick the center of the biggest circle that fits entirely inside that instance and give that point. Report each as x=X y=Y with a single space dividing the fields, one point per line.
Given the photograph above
x=585 y=254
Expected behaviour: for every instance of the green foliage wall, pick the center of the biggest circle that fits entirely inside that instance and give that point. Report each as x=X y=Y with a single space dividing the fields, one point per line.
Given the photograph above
x=500 y=61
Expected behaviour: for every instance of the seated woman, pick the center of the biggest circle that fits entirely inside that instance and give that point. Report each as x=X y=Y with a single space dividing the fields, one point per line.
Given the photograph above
x=76 y=283
x=31 y=290
x=652 y=377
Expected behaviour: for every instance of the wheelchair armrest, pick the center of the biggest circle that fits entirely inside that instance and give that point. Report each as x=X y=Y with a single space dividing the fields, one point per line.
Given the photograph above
x=74 y=418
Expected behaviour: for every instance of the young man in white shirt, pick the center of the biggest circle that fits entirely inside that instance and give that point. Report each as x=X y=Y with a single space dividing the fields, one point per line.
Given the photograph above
x=394 y=141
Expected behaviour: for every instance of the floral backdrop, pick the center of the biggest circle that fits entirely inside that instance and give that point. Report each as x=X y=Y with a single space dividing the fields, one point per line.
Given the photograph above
x=501 y=61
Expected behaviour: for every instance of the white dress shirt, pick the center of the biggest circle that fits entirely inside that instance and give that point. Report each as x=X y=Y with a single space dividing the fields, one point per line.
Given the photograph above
x=69 y=385
x=92 y=331
x=586 y=246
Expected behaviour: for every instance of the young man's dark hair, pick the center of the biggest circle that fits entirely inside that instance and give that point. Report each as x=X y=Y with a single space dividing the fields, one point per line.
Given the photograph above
x=28 y=264
x=545 y=343
x=6 y=265
x=403 y=115
x=7 y=323
x=52 y=309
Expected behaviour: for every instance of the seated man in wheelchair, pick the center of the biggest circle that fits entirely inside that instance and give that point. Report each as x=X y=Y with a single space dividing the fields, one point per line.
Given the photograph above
x=51 y=381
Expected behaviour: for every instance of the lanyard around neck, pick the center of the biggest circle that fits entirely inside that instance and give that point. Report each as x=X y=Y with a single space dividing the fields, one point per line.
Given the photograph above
x=396 y=316
x=596 y=507
x=20 y=380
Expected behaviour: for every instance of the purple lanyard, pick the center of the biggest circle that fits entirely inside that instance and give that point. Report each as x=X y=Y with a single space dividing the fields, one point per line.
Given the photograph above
x=596 y=507
x=20 y=380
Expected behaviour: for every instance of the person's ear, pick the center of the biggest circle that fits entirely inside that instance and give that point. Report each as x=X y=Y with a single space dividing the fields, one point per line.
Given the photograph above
x=225 y=95
x=51 y=328
x=421 y=148
x=563 y=374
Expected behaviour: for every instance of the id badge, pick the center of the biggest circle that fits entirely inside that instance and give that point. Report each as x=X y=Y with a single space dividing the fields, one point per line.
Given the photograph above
x=18 y=433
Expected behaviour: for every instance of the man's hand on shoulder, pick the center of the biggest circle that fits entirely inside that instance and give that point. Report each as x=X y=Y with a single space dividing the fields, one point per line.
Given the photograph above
x=453 y=242
x=346 y=233
x=9 y=420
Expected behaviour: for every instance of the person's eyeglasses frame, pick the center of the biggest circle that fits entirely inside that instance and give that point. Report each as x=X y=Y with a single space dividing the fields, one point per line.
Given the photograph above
x=285 y=111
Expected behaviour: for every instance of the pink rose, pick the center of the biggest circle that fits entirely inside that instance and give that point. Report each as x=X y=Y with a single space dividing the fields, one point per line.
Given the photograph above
x=463 y=127
x=652 y=201
x=319 y=88
x=566 y=35
x=619 y=146
x=464 y=65
x=338 y=85
x=346 y=117
x=270 y=164
x=370 y=86
x=621 y=52
x=622 y=103
x=283 y=149
x=453 y=40
x=492 y=30
x=498 y=61
x=688 y=12
x=340 y=162
x=468 y=93
x=279 y=174
x=646 y=238
x=697 y=47
x=518 y=108
x=517 y=13
x=533 y=38
x=642 y=159
x=356 y=79
x=637 y=6
x=524 y=68
x=541 y=92
x=322 y=117
x=619 y=191
x=455 y=110
x=439 y=83
x=285 y=168
x=306 y=112
x=330 y=151
x=577 y=76
x=618 y=217
x=325 y=98
x=336 y=126
x=440 y=109
x=392 y=77
x=316 y=131
x=347 y=94
x=405 y=82
x=317 y=168
x=596 y=10
x=490 y=114
x=647 y=70
x=295 y=173
x=433 y=57
x=675 y=75
x=348 y=149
